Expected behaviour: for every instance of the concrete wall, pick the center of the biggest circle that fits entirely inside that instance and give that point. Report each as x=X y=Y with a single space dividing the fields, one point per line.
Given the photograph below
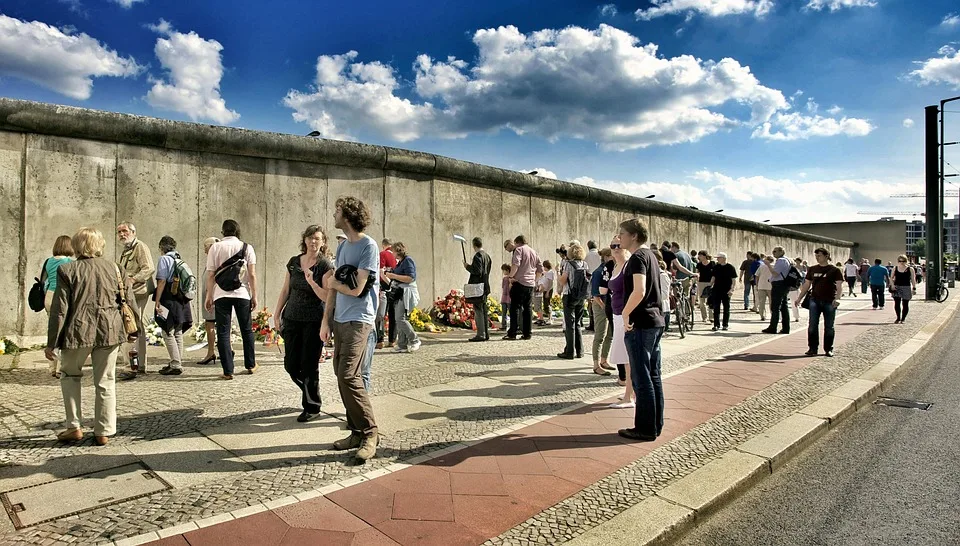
x=877 y=239
x=62 y=168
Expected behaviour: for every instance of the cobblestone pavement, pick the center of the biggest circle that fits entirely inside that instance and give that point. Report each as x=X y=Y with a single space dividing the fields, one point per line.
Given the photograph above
x=30 y=408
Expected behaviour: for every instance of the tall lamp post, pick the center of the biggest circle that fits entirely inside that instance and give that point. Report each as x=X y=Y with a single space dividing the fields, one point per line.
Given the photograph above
x=934 y=166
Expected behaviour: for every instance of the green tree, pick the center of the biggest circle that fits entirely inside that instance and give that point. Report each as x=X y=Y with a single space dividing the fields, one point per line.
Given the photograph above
x=920 y=248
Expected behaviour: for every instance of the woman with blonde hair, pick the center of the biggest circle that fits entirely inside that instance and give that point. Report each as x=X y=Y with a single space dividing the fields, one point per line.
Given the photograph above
x=209 y=317
x=574 y=271
x=85 y=320
x=62 y=253
x=618 y=349
x=903 y=286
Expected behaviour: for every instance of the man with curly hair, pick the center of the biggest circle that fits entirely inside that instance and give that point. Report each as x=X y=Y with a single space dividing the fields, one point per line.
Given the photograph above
x=351 y=311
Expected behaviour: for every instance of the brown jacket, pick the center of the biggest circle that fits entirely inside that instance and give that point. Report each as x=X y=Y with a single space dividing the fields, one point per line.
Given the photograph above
x=85 y=312
x=137 y=262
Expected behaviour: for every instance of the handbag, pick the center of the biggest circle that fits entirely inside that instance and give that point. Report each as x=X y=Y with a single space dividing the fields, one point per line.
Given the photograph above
x=473 y=290
x=130 y=326
x=37 y=293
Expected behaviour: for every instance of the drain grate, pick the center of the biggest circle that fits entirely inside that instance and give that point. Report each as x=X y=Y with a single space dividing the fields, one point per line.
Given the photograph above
x=899 y=403
x=50 y=501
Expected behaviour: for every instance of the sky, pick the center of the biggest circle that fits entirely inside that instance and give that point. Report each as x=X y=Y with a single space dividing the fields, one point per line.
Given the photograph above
x=780 y=110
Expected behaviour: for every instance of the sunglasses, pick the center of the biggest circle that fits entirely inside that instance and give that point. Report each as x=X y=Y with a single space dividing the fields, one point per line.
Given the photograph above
x=614 y=247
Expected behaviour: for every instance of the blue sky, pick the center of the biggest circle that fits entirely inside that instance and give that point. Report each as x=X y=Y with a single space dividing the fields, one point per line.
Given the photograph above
x=793 y=110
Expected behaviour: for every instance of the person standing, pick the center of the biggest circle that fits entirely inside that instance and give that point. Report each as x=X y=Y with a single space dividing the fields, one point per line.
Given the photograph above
x=795 y=289
x=879 y=280
x=603 y=335
x=62 y=253
x=825 y=284
x=300 y=310
x=684 y=267
x=903 y=285
x=864 y=275
x=618 y=347
x=231 y=263
x=779 y=270
x=643 y=324
x=406 y=298
x=545 y=285
x=209 y=318
x=850 y=272
x=763 y=288
x=525 y=267
x=386 y=305
x=173 y=313
x=479 y=270
x=505 y=297
x=136 y=264
x=594 y=260
x=85 y=321
x=721 y=289
x=574 y=272
x=705 y=266
x=350 y=313
x=746 y=278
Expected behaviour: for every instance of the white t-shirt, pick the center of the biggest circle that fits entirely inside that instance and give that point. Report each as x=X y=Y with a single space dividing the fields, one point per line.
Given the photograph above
x=665 y=282
x=221 y=252
x=763 y=277
x=547 y=280
x=850 y=270
x=593 y=260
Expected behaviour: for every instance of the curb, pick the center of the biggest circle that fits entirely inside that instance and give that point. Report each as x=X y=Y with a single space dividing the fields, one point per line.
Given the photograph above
x=676 y=509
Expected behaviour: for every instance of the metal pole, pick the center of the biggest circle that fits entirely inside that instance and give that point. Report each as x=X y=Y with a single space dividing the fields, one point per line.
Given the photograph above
x=934 y=195
x=943 y=159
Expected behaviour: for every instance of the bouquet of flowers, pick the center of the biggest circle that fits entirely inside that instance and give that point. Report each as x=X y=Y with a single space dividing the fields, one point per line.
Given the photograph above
x=493 y=309
x=261 y=326
x=3 y=346
x=199 y=333
x=453 y=309
x=421 y=321
x=154 y=334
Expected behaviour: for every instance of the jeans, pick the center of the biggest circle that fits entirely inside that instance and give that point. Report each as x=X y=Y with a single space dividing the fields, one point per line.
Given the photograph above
x=521 y=314
x=367 y=364
x=504 y=315
x=301 y=360
x=348 y=352
x=746 y=294
x=724 y=301
x=240 y=306
x=381 y=313
x=863 y=284
x=829 y=312
x=603 y=333
x=851 y=281
x=572 y=314
x=778 y=306
x=480 y=317
x=877 y=292
x=643 y=349
x=104 y=360
x=406 y=336
x=173 y=341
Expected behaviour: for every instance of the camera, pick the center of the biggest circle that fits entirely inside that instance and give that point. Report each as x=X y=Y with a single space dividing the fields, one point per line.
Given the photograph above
x=562 y=251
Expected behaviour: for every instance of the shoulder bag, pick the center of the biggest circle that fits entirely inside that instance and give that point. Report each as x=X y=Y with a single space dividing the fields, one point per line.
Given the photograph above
x=130 y=326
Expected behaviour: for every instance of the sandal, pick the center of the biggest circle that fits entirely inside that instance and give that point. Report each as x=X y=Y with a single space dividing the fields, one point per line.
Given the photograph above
x=600 y=371
x=606 y=366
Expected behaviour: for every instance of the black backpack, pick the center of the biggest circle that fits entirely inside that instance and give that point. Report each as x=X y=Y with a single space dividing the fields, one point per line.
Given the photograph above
x=229 y=275
x=579 y=285
x=37 y=292
x=794 y=278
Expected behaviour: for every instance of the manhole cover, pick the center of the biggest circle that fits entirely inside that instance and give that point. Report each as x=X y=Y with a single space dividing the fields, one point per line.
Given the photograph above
x=59 y=499
x=898 y=403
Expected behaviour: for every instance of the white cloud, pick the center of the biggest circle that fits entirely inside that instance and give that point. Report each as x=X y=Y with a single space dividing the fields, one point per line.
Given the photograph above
x=127 y=4
x=709 y=8
x=195 y=68
x=944 y=69
x=781 y=200
x=834 y=110
x=834 y=5
x=608 y=10
x=812 y=106
x=58 y=60
x=951 y=20
x=908 y=123
x=599 y=85
x=545 y=173
x=786 y=126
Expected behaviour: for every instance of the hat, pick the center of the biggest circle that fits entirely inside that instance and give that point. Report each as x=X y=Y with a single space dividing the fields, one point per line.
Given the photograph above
x=341 y=236
x=721 y=254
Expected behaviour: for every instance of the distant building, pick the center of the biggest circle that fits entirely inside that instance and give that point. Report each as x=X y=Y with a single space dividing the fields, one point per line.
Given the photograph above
x=917 y=230
x=875 y=239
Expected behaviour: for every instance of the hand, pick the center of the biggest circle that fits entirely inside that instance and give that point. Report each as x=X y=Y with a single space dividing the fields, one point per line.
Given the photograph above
x=627 y=325
x=49 y=354
x=308 y=275
x=278 y=321
x=253 y=303
x=836 y=303
x=208 y=303
x=324 y=332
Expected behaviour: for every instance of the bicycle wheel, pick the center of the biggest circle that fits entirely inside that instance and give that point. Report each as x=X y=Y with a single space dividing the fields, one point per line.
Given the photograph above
x=942 y=294
x=688 y=312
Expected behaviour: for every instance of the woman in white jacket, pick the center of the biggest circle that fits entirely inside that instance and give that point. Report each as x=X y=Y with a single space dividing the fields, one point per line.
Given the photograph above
x=763 y=288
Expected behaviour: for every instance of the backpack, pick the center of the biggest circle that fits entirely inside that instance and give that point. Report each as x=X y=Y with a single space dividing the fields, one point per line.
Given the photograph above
x=579 y=285
x=230 y=274
x=37 y=293
x=184 y=281
x=794 y=278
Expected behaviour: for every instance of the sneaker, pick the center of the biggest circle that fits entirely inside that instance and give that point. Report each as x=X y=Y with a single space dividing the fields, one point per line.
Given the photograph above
x=632 y=434
x=253 y=369
x=414 y=347
x=829 y=354
x=725 y=328
x=811 y=352
x=167 y=370
x=127 y=376
x=305 y=416
x=350 y=442
x=623 y=405
x=768 y=331
x=714 y=329
x=368 y=447
x=399 y=349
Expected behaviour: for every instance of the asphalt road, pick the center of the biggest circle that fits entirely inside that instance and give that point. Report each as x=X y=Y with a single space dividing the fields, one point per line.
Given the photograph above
x=886 y=475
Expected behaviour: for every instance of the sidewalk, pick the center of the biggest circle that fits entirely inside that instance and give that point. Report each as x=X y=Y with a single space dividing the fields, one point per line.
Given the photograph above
x=536 y=464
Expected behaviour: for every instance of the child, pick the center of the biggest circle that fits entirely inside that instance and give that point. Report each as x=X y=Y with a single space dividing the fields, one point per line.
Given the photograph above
x=545 y=292
x=505 y=298
x=665 y=304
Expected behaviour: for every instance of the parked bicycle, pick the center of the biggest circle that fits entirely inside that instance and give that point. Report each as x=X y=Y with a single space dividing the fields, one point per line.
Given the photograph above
x=684 y=310
x=942 y=292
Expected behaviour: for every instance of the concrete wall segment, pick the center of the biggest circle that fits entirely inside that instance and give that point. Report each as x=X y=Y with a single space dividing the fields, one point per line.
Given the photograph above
x=408 y=218
x=11 y=218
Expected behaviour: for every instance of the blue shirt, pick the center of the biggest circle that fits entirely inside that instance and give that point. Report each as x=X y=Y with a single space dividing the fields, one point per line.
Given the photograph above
x=406 y=267
x=165 y=266
x=878 y=275
x=365 y=256
x=597 y=280
x=755 y=266
x=781 y=268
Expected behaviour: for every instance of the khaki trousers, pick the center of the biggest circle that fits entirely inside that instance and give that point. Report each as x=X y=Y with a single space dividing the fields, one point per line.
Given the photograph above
x=350 y=346
x=47 y=302
x=705 y=312
x=105 y=403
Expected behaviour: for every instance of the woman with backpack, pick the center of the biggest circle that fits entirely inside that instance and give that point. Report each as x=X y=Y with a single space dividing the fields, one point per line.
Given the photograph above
x=171 y=304
x=574 y=285
x=62 y=253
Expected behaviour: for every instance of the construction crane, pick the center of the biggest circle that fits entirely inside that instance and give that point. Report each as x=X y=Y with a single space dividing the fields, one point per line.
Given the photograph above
x=947 y=193
x=897 y=213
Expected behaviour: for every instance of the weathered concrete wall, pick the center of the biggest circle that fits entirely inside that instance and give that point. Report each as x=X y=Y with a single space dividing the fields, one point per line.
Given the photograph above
x=62 y=168
x=878 y=239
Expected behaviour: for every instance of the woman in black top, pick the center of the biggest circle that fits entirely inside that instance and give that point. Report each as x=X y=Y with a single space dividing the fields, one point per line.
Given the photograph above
x=705 y=266
x=300 y=310
x=903 y=285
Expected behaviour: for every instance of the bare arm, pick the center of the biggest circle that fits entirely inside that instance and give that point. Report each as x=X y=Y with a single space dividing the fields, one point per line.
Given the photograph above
x=330 y=307
x=252 y=275
x=639 y=291
x=562 y=281
x=282 y=300
x=208 y=302
x=318 y=290
x=161 y=284
x=679 y=267
x=337 y=286
x=407 y=279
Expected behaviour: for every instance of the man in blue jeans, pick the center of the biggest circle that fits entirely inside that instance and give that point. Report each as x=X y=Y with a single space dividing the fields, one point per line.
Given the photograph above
x=643 y=326
x=879 y=278
x=825 y=283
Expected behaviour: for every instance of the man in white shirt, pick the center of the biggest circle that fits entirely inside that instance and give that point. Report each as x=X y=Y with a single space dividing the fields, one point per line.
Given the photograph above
x=241 y=301
x=593 y=260
x=850 y=273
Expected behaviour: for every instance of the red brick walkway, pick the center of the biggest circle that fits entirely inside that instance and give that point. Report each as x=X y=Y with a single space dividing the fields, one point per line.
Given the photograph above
x=478 y=493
